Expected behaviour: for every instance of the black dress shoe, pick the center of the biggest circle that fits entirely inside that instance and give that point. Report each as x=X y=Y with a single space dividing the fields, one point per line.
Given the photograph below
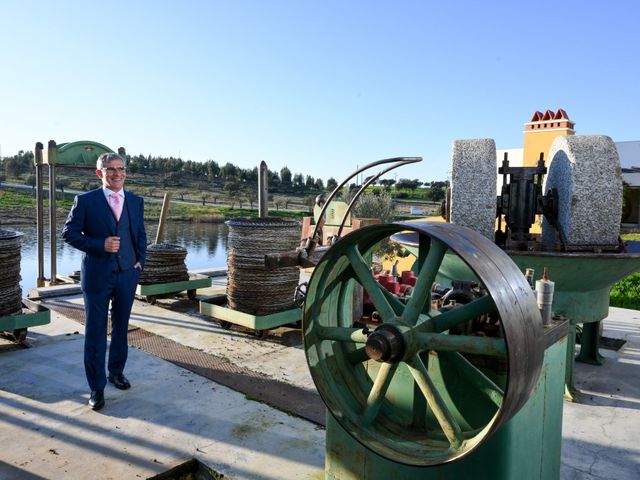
x=96 y=400
x=119 y=381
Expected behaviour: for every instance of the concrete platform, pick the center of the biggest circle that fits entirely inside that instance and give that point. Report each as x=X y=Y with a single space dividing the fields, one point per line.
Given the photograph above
x=171 y=415
x=601 y=430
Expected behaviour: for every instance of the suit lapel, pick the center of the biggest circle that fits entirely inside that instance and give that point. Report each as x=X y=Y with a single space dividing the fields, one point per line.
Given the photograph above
x=133 y=225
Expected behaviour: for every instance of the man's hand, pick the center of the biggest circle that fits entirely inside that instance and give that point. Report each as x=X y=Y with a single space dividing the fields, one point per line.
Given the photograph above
x=138 y=266
x=111 y=244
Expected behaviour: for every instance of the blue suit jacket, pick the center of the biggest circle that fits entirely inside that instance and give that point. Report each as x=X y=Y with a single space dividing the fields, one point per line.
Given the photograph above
x=90 y=221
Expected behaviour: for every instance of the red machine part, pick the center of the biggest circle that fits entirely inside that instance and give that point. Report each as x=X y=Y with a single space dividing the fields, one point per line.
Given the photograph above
x=400 y=286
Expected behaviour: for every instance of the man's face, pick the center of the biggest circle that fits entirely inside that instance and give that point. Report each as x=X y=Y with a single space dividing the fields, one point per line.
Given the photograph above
x=113 y=175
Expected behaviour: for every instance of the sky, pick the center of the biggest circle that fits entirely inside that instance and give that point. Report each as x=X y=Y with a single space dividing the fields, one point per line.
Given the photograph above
x=322 y=87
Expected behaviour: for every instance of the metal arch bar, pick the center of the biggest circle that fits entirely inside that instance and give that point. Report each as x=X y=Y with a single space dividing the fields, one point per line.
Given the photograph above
x=360 y=170
x=401 y=162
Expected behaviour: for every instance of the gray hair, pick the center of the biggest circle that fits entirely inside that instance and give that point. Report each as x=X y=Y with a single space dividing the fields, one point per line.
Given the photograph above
x=107 y=158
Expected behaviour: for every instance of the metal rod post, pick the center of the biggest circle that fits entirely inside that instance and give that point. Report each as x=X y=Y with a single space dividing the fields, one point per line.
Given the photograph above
x=163 y=217
x=51 y=158
x=39 y=213
x=263 y=172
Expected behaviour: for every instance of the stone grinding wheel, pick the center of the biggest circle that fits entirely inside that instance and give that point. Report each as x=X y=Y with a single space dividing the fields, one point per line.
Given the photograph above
x=473 y=185
x=409 y=390
x=585 y=170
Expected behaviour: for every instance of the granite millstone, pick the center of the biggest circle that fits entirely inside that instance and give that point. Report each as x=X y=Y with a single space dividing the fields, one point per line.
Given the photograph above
x=473 y=185
x=585 y=169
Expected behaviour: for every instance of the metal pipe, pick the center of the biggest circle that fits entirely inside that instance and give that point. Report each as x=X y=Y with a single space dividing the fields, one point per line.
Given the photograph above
x=39 y=214
x=51 y=159
x=163 y=217
x=273 y=261
x=263 y=173
x=369 y=182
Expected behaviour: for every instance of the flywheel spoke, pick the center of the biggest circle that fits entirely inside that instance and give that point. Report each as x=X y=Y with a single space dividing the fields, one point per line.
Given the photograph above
x=475 y=377
x=493 y=347
x=397 y=305
x=373 y=288
x=358 y=356
x=422 y=291
x=443 y=415
x=462 y=314
x=342 y=334
x=378 y=391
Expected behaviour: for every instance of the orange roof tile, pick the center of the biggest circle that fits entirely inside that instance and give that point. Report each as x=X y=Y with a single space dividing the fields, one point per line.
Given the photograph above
x=536 y=117
x=548 y=115
x=561 y=114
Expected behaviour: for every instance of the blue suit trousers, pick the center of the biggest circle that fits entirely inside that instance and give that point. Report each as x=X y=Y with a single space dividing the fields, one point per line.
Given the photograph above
x=120 y=291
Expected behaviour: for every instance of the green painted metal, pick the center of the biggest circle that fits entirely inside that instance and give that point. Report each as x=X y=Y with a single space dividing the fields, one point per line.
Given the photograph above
x=37 y=315
x=582 y=280
x=582 y=285
x=83 y=153
x=195 y=281
x=589 y=342
x=255 y=322
x=526 y=448
x=417 y=408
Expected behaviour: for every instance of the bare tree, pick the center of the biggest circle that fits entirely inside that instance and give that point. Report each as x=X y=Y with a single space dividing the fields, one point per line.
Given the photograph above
x=252 y=197
x=62 y=183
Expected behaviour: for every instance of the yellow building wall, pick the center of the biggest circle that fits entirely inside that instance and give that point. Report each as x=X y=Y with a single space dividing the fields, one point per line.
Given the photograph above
x=536 y=141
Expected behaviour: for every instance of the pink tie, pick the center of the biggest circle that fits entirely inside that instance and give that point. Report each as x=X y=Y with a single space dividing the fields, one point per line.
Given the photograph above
x=116 y=206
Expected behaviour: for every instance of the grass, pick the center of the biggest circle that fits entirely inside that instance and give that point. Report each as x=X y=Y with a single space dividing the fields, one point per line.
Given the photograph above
x=630 y=236
x=14 y=198
x=626 y=293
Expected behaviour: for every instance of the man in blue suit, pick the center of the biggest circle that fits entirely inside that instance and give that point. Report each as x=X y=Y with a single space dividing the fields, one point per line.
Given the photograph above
x=107 y=224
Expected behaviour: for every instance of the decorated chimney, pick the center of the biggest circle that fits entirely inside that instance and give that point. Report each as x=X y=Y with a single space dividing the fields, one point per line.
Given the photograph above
x=540 y=132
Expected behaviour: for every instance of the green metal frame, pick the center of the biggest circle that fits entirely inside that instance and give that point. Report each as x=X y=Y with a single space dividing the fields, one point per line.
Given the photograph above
x=195 y=281
x=38 y=315
x=582 y=285
x=80 y=154
x=256 y=322
x=83 y=153
x=527 y=447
